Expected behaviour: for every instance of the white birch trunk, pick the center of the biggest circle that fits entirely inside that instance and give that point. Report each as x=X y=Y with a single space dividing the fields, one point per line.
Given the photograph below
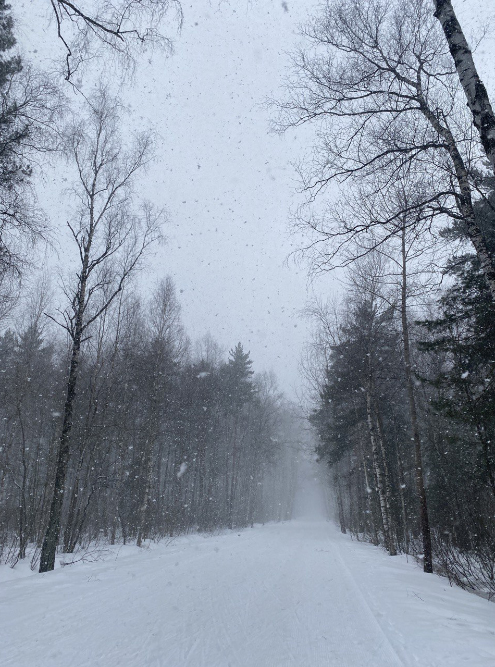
x=380 y=482
x=474 y=88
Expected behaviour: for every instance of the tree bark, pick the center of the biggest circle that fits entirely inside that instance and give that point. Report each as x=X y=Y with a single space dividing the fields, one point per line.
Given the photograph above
x=369 y=508
x=50 y=542
x=474 y=88
x=23 y=537
x=48 y=550
x=380 y=482
x=386 y=477
x=148 y=470
x=340 y=502
x=464 y=198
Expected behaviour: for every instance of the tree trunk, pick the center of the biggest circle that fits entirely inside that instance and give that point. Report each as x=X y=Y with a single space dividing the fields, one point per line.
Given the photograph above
x=464 y=198
x=48 y=550
x=402 y=486
x=232 y=486
x=148 y=469
x=369 y=510
x=23 y=536
x=340 y=502
x=71 y=515
x=474 y=88
x=378 y=473
x=418 y=470
x=50 y=542
x=386 y=478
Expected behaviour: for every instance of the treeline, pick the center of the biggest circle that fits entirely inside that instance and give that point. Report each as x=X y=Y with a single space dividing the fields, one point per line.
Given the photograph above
x=399 y=188
x=164 y=440
x=380 y=403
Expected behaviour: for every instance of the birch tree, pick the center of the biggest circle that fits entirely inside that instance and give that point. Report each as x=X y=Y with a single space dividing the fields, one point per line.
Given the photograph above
x=377 y=82
x=473 y=86
x=119 y=26
x=110 y=239
x=408 y=251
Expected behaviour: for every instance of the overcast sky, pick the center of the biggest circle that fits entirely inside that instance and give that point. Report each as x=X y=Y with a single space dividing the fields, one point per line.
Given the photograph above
x=227 y=182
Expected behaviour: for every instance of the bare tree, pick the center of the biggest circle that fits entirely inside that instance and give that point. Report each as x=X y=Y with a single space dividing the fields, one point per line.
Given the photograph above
x=315 y=361
x=120 y=25
x=408 y=263
x=111 y=240
x=378 y=83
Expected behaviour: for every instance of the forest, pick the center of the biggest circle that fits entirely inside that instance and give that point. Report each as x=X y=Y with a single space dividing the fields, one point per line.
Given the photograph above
x=400 y=199
x=116 y=426
x=119 y=426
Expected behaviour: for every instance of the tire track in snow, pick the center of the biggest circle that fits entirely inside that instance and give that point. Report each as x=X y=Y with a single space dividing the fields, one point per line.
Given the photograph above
x=281 y=595
x=365 y=606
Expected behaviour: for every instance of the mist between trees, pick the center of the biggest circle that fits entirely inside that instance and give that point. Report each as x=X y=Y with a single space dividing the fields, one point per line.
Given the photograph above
x=400 y=191
x=114 y=427
x=125 y=431
x=164 y=439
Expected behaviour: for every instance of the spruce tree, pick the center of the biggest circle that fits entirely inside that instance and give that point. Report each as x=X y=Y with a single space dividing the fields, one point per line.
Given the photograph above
x=12 y=132
x=238 y=385
x=463 y=334
x=15 y=128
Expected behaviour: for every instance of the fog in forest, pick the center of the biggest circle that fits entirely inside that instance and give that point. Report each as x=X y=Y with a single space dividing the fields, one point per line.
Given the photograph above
x=247 y=286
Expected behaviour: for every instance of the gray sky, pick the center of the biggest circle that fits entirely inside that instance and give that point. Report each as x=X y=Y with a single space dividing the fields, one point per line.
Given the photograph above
x=228 y=183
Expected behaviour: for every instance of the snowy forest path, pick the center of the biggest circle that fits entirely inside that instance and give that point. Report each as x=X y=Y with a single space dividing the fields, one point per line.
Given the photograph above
x=296 y=593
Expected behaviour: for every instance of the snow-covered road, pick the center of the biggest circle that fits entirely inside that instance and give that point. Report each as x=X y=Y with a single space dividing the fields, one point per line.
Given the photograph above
x=296 y=594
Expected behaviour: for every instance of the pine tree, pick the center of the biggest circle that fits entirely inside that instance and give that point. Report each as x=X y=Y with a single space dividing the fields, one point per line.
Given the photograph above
x=11 y=132
x=13 y=129
x=238 y=385
x=28 y=104
x=464 y=335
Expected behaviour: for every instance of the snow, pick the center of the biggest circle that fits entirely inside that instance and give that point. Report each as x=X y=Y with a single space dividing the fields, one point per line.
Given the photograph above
x=297 y=593
x=182 y=469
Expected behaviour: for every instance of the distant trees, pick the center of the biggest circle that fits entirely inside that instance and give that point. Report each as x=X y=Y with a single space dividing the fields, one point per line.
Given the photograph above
x=162 y=442
x=239 y=394
x=30 y=381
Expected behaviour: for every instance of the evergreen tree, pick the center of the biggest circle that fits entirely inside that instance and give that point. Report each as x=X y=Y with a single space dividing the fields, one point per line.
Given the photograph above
x=360 y=418
x=238 y=385
x=12 y=133
x=464 y=336
x=29 y=104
